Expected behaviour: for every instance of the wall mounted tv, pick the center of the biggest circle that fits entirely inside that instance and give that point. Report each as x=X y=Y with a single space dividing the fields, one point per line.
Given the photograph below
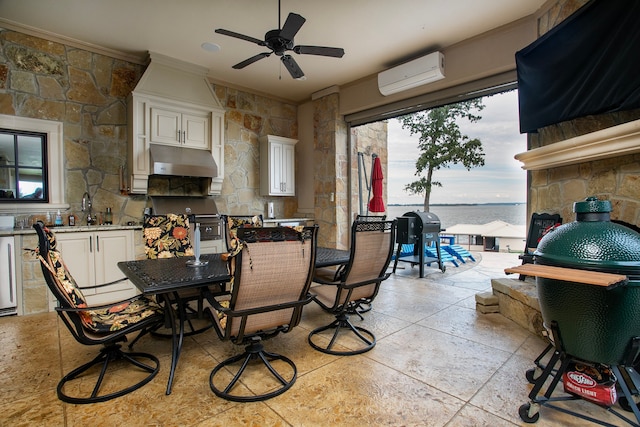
x=589 y=64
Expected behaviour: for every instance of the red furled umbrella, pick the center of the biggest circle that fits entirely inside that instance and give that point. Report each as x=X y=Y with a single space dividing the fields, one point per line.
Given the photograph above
x=376 y=204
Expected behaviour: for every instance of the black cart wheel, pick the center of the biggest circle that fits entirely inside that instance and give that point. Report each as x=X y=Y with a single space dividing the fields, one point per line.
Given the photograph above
x=532 y=375
x=625 y=404
x=525 y=413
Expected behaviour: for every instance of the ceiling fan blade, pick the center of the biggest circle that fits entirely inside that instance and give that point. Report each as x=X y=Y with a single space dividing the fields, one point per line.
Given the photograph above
x=336 y=52
x=240 y=36
x=291 y=26
x=291 y=65
x=251 y=60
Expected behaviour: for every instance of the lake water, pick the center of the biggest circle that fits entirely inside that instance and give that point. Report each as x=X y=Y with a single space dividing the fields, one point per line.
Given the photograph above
x=450 y=215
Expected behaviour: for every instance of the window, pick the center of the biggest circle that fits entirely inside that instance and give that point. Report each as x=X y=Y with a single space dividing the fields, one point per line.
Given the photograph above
x=52 y=171
x=23 y=167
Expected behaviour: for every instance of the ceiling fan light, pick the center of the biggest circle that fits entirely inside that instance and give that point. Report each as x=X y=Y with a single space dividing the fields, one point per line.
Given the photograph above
x=210 y=47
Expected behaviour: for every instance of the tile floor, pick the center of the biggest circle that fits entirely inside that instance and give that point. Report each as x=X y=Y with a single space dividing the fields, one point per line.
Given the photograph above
x=437 y=362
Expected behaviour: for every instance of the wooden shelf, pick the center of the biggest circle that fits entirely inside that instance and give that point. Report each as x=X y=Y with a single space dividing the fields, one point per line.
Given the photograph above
x=608 y=280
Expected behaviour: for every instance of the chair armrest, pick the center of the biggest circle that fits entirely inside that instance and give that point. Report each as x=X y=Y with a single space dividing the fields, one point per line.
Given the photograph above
x=262 y=309
x=95 y=307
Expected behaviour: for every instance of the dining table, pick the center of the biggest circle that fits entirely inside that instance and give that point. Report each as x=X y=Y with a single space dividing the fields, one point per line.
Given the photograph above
x=164 y=277
x=328 y=257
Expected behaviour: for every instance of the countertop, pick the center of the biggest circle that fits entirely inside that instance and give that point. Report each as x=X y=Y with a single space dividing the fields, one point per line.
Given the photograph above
x=279 y=220
x=68 y=229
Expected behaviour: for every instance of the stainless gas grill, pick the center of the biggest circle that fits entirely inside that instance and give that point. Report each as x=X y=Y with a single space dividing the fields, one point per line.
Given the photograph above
x=202 y=210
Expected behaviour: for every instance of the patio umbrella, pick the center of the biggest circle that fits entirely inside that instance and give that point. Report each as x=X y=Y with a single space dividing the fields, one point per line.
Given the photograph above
x=376 y=204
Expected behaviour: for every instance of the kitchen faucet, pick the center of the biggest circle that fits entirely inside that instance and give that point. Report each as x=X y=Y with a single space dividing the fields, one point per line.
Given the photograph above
x=86 y=206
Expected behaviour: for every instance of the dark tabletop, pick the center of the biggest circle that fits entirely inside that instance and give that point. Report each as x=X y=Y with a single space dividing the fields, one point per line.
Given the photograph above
x=326 y=257
x=154 y=276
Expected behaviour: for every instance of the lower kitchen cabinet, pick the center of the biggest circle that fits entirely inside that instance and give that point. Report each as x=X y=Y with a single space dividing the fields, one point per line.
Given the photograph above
x=92 y=259
x=8 y=291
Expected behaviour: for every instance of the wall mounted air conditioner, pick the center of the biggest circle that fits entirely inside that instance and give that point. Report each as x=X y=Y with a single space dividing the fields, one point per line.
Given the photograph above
x=426 y=69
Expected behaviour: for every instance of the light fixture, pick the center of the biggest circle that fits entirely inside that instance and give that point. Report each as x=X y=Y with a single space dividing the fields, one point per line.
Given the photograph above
x=210 y=47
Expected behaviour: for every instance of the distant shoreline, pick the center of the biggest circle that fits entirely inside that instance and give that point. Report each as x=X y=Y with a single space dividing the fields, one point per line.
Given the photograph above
x=458 y=204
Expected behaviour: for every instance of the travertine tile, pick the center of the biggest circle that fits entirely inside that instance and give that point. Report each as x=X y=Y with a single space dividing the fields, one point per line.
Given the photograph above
x=452 y=364
x=490 y=329
x=363 y=392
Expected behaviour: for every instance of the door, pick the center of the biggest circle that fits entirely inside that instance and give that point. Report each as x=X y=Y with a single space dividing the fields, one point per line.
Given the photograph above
x=195 y=131
x=288 y=170
x=165 y=126
x=275 y=168
x=110 y=248
x=77 y=252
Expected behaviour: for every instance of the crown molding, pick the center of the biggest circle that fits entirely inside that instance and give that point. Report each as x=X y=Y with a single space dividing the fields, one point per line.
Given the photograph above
x=142 y=58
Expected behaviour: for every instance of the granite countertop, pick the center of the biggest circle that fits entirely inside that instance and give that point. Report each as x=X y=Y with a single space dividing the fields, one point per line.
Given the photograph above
x=272 y=220
x=68 y=229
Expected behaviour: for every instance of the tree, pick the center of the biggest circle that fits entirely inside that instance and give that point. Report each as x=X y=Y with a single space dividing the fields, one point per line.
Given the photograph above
x=441 y=143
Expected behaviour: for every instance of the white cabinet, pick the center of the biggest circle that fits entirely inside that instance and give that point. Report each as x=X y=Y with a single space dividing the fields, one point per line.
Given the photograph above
x=277 y=166
x=8 y=291
x=183 y=128
x=92 y=259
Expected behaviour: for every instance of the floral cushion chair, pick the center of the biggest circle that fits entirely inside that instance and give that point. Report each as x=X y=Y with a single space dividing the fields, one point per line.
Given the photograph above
x=167 y=236
x=92 y=325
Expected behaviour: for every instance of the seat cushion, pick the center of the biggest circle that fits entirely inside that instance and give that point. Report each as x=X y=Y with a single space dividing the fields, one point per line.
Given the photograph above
x=120 y=315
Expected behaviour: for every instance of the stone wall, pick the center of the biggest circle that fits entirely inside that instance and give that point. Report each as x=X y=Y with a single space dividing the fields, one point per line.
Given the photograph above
x=248 y=117
x=88 y=93
x=85 y=91
x=555 y=190
x=330 y=172
x=368 y=139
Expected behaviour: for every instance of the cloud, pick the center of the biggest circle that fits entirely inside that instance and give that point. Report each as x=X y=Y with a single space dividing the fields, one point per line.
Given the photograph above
x=501 y=179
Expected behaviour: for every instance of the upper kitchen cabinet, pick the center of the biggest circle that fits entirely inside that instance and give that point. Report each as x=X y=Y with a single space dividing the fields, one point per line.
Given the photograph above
x=180 y=127
x=174 y=105
x=277 y=166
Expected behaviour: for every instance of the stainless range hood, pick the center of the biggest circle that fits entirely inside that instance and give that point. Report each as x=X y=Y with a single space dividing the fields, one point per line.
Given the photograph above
x=181 y=161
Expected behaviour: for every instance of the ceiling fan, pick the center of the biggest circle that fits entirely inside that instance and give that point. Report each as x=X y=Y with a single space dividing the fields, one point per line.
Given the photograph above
x=280 y=41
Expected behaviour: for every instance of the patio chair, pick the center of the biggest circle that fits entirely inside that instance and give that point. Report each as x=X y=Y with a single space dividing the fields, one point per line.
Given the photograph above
x=371 y=217
x=372 y=245
x=232 y=222
x=272 y=273
x=106 y=325
x=539 y=225
x=167 y=236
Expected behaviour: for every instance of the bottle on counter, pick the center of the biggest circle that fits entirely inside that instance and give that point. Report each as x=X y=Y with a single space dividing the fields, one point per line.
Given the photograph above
x=72 y=220
x=108 y=216
x=48 y=219
x=58 y=221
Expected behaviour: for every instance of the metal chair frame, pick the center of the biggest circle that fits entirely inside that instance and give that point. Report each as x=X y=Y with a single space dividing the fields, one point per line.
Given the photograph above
x=358 y=285
x=258 y=276
x=111 y=350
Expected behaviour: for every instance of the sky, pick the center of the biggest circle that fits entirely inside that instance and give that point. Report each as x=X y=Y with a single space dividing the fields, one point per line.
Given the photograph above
x=500 y=180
